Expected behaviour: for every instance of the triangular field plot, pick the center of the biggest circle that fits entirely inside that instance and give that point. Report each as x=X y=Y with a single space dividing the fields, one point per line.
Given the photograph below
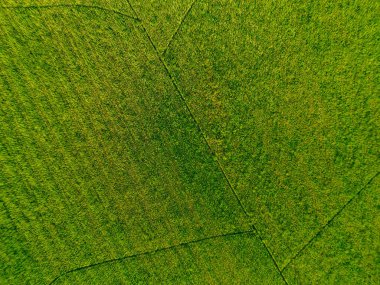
x=99 y=156
x=162 y=18
x=285 y=93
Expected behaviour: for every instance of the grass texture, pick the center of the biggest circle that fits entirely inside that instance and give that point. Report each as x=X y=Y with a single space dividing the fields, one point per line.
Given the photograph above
x=231 y=259
x=189 y=142
x=287 y=96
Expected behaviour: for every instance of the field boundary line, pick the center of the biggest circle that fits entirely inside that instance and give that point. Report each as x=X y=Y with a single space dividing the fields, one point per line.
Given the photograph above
x=248 y=215
x=150 y=252
x=179 y=27
x=71 y=6
x=295 y=256
x=270 y=254
x=191 y=114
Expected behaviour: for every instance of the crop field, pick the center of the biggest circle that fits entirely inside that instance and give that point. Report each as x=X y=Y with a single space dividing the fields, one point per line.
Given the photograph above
x=189 y=142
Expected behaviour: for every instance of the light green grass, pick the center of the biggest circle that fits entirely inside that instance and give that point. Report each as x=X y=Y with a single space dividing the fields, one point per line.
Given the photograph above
x=120 y=6
x=100 y=158
x=146 y=143
x=161 y=18
x=288 y=96
x=347 y=251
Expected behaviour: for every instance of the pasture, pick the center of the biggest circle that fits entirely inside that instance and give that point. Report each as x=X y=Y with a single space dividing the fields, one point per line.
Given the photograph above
x=189 y=142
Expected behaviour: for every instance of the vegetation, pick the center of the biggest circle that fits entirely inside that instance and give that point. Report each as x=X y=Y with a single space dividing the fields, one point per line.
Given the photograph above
x=165 y=142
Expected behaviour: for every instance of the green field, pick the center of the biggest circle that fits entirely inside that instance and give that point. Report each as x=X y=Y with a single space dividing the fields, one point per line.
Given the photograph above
x=189 y=142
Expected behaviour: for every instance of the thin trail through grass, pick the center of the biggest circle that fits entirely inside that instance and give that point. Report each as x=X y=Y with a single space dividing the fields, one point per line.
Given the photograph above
x=325 y=226
x=179 y=27
x=149 y=252
x=205 y=139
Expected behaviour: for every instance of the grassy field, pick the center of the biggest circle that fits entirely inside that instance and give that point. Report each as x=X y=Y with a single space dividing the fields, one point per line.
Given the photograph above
x=290 y=105
x=189 y=142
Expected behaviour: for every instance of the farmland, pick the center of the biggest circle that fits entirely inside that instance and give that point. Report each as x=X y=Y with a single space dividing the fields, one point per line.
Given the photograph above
x=191 y=142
